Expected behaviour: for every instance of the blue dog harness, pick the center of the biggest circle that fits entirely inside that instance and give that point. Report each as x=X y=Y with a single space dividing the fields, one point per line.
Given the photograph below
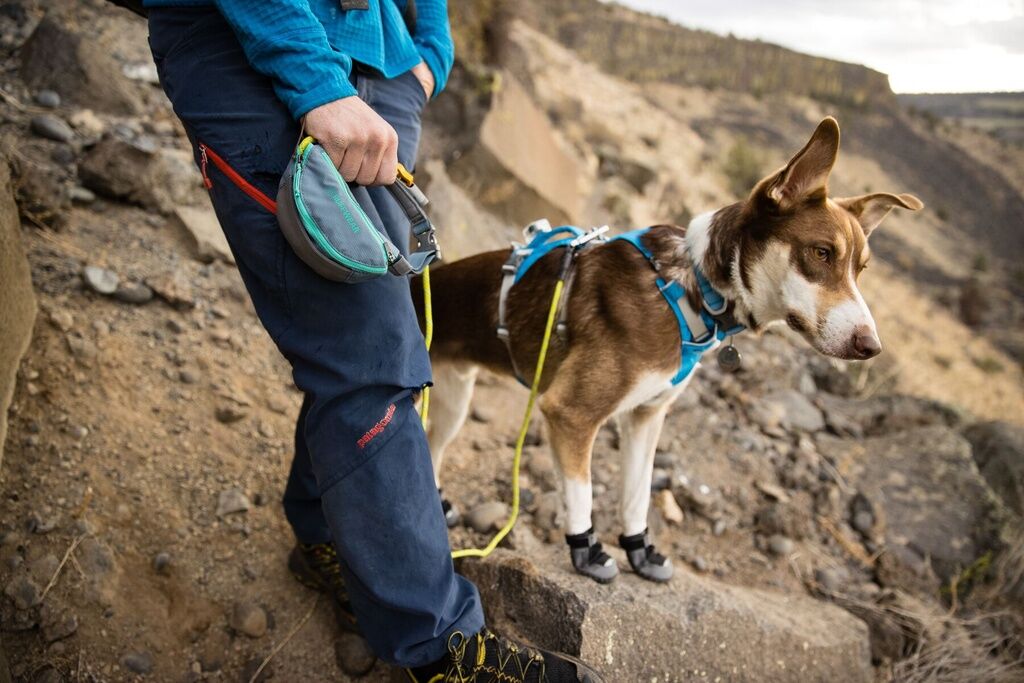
x=699 y=331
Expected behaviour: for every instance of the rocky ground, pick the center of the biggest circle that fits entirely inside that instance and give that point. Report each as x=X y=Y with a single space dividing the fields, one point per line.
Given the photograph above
x=828 y=522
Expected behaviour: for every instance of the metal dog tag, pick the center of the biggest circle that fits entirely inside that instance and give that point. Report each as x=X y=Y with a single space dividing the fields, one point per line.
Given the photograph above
x=729 y=358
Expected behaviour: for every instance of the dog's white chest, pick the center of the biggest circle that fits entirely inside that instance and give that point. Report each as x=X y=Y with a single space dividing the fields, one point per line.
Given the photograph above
x=652 y=389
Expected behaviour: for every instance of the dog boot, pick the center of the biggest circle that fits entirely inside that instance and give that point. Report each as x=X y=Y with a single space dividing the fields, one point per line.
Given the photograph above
x=451 y=513
x=589 y=559
x=644 y=559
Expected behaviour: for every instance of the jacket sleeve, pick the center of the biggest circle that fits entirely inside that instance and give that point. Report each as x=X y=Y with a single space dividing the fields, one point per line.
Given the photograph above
x=433 y=38
x=282 y=39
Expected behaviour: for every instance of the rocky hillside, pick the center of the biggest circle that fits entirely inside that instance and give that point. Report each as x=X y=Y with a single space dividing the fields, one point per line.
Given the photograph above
x=1000 y=113
x=823 y=517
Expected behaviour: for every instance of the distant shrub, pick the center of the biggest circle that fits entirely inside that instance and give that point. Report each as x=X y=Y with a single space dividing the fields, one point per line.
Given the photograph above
x=942 y=214
x=988 y=365
x=743 y=167
x=980 y=263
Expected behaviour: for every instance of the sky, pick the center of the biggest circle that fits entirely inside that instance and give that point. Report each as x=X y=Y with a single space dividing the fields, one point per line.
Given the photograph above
x=924 y=45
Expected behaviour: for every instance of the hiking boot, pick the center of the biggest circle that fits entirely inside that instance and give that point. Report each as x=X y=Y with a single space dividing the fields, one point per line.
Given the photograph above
x=316 y=566
x=487 y=658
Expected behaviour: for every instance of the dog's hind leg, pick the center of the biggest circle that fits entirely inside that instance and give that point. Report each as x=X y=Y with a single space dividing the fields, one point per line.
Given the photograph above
x=449 y=406
x=639 y=432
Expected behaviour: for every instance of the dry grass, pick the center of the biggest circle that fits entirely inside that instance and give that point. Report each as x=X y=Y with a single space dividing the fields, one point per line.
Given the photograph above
x=918 y=642
x=981 y=638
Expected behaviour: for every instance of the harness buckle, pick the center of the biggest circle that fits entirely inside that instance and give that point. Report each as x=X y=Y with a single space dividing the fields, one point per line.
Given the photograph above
x=502 y=333
x=591 y=234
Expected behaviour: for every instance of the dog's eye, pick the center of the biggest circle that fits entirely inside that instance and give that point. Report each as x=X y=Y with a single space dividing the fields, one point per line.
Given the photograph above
x=822 y=253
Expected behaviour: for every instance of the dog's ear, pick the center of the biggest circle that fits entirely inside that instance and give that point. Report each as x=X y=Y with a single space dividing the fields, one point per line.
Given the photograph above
x=806 y=174
x=870 y=209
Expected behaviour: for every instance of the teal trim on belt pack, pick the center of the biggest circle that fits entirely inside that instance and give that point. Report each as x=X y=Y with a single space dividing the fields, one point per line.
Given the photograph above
x=313 y=229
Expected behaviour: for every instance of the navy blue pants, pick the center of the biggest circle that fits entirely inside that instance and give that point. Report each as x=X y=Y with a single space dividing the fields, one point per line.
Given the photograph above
x=361 y=476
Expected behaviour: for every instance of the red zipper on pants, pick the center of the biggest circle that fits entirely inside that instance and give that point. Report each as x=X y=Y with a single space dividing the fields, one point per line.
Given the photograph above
x=234 y=176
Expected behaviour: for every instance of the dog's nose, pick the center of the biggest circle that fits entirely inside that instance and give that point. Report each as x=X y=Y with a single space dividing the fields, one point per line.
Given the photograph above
x=865 y=343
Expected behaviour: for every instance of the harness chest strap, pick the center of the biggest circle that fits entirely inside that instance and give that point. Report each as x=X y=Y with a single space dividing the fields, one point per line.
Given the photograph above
x=699 y=331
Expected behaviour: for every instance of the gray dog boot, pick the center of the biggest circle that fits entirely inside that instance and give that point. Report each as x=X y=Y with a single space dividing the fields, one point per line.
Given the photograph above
x=644 y=559
x=589 y=559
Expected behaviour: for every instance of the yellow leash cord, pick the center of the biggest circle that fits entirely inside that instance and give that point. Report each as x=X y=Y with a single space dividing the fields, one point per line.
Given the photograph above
x=523 y=430
x=428 y=336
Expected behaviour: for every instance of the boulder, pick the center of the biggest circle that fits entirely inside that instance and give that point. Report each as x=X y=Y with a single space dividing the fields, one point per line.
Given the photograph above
x=468 y=229
x=121 y=170
x=77 y=67
x=17 y=299
x=101 y=571
x=42 y=196
x=520 y=168
x=998 y=449
x=883 y=414
x=691 y=628
x=788 y=409
x=928 y=491
x=203 y=233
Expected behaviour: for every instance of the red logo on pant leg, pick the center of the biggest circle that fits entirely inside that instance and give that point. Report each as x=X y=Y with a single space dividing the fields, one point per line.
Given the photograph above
x=377 y=428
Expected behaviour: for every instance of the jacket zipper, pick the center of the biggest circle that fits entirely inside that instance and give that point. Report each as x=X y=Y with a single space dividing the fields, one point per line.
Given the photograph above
x=207 y=155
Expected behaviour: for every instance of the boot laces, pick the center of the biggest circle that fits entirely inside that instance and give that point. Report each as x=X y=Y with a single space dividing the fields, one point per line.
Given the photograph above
x=500 y=659
x=324 y=559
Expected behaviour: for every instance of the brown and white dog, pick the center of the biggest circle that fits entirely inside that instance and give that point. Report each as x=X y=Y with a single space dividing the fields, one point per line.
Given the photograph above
x=787 y=253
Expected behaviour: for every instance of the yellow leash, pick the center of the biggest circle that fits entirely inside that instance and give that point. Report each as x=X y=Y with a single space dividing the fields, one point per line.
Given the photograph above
x=524 y=427
x=523 y=430
x=428 y=336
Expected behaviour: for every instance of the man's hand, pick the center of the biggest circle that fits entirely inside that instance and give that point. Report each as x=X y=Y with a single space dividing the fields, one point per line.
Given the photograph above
x=362 y=145
x=425 y=76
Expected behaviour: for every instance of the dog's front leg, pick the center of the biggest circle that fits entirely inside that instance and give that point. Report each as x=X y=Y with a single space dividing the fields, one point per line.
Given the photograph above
x=640 y=429
x=572 y=440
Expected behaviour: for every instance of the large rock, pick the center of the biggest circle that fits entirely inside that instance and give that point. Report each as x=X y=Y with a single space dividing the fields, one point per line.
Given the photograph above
x=998 y=449
x=77 y=67
x=787 y=409
x=693 y=628
x=17 y=300
x=139 y=174
x=466 y=228
x=202 y=231
x=883 y=414
x=932 y=498
x=520 y=168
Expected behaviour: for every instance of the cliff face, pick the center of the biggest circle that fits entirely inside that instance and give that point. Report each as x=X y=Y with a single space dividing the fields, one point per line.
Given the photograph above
x=644 y=48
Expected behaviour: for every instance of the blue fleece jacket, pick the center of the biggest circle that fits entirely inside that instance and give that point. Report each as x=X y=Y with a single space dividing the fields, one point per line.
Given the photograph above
x=308 y=46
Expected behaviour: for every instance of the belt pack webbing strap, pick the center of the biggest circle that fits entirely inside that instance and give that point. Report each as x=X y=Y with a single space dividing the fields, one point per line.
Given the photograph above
x=412 y=201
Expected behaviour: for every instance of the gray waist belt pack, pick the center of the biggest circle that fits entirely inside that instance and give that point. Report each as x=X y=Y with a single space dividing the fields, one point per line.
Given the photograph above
x=331 y=233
